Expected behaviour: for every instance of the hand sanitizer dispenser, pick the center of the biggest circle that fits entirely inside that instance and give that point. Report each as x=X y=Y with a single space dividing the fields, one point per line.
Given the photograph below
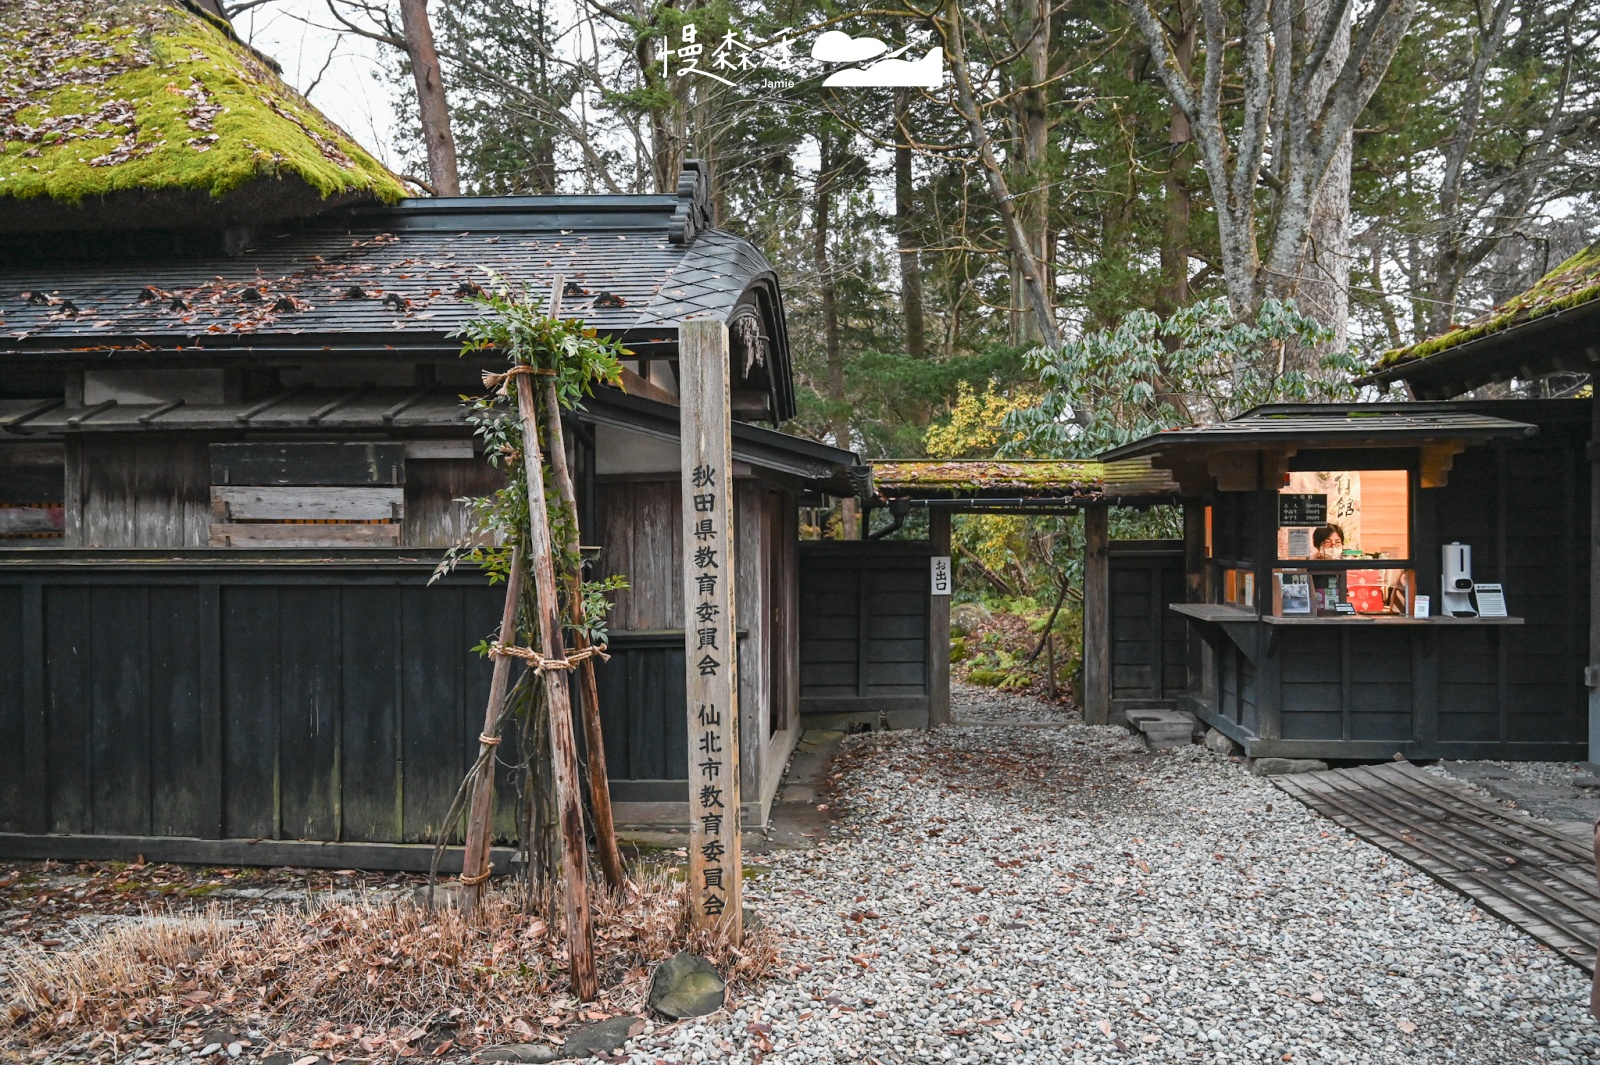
x=1456 y=581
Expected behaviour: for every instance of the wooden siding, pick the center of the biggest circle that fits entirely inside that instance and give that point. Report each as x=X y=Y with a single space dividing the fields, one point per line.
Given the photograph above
x=638 y=529
x=864 y=629
x=1351 y=689
x=137 y=492
x=257 y=701
x=1149 y=643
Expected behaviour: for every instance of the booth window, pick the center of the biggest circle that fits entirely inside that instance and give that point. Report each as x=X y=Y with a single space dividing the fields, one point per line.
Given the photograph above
x=1350 y=530
x=1339 y=515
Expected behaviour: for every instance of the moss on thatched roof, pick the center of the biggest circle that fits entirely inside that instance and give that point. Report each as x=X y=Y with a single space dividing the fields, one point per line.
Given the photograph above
x=108 y=98
x=1572 y=284
x=988 y=475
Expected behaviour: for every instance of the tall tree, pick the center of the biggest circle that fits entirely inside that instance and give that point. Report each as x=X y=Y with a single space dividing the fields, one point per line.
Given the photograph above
x=1294 y=99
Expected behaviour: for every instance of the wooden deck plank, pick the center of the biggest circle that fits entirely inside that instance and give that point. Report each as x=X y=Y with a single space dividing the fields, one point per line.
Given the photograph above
x=1518 y=869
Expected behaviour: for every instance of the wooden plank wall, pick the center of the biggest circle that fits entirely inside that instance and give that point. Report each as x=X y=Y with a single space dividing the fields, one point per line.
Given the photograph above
x=864 y=629
x=137 y=491
x=243 y=703
x=1149 y=643
x=638 y=528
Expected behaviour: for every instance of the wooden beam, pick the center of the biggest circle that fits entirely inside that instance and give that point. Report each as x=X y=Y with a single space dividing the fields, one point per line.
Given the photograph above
x=716 y=864
x=235 y=503
x=939 y=624
x=224 y=534
x=1096 y=692
x=1234 y=471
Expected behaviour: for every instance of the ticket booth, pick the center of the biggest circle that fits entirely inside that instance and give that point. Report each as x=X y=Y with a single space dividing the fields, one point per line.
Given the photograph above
x=1388 y=579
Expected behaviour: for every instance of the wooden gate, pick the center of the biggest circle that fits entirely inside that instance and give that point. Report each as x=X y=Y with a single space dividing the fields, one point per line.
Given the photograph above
x=1149 y=643
x=864 y=633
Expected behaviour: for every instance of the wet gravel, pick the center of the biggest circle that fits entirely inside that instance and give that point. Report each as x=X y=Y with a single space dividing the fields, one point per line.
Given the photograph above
x=1026 y=894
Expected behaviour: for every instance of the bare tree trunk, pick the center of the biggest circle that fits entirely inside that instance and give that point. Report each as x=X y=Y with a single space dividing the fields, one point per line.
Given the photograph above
x=1030 y=172
x=906 y=235
x=1179 y=200
x=432 y=106
x=1322 y=289
x=605 y=833
x=1035 y=283
x=563 y=749
x=833 y=351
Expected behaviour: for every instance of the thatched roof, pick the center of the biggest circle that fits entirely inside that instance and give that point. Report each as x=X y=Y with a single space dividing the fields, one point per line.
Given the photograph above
x=127 y=114
x=1570 y=285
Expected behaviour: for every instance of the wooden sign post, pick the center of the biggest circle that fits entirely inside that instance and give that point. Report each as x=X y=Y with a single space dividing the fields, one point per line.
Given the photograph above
x=710 y=636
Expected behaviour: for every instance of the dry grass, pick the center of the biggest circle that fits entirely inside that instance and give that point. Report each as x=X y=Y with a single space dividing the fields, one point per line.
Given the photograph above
x=385 y=977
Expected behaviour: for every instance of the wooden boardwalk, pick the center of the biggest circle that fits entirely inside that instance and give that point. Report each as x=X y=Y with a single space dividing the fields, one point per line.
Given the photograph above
x=1518 y=869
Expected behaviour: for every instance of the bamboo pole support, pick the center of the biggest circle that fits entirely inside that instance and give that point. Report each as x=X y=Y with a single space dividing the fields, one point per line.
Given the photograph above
x=475 y=862
x=605 y=833
x=563 y=749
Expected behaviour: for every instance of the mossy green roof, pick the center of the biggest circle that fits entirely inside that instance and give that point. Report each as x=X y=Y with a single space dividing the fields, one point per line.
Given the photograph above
x=107 y=97
x=1082 y=480
x=1572 y=284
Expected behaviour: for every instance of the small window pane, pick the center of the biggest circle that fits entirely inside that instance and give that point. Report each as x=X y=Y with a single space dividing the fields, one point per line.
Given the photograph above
x=1345 y=514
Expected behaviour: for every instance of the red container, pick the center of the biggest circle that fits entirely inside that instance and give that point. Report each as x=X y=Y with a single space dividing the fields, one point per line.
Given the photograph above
x=1367 y=598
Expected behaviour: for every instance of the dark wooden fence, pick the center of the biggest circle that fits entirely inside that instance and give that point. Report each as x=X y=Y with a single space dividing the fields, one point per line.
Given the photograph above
x=285 y=699
x=864 y=632
x=1149 y=643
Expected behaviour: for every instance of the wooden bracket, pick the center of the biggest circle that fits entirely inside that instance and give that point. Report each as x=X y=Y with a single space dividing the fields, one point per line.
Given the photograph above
x=1436 y=462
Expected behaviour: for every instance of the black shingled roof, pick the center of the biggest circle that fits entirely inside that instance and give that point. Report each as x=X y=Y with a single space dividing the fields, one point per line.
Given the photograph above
x=394 y=278
x=1329 y=425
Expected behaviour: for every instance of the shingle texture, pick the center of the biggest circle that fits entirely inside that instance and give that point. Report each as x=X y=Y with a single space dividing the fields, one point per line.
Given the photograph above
x=383 y=282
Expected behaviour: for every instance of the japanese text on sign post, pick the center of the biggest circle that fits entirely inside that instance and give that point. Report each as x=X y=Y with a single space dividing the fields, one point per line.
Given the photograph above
x=712 y=677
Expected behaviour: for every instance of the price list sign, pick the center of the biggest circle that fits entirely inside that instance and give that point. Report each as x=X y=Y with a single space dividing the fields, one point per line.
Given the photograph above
x=715 y=863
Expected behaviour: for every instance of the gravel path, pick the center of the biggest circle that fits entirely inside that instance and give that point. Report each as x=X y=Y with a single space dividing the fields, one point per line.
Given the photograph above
x=1002 y=894
x=975 y=704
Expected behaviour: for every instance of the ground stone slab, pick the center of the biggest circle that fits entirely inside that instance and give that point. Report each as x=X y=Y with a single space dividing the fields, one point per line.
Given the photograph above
x=1277 y=767
x=603 y=1037
x=524 y=1053
x=686 y=985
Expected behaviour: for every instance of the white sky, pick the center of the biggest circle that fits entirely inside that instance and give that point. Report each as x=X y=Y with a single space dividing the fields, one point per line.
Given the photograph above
x=353 y=89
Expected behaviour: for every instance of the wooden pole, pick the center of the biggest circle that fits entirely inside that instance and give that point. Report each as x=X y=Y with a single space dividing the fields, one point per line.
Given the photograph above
x=475 y=862
x=1096 y=692
x=716 y=864
x=605 y=833
x=939 y=625
x=563 y=747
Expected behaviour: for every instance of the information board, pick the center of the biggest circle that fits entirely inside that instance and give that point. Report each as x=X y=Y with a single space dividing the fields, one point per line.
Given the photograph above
x=1302 y=508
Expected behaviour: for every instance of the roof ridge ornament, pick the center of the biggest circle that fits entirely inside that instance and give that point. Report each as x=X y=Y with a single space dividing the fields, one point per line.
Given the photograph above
x=693 y=212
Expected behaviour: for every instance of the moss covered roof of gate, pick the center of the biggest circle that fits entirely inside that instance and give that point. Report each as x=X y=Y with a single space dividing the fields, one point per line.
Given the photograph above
x=1084 y=480
x=107 y=97
x=1572 y=284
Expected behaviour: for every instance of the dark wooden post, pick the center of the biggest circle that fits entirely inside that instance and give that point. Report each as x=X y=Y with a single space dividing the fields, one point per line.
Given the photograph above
x=939 y=625
x=1194 y=591
x=1592 y=674
x=716 y=865
x=563 y=747
x=1097 y=615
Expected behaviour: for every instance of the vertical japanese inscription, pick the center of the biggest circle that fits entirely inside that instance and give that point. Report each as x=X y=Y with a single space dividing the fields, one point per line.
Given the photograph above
x=710 y=636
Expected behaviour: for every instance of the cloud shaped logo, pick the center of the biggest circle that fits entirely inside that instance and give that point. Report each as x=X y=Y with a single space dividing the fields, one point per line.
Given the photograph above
x=835 y=46
x=892 y=73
